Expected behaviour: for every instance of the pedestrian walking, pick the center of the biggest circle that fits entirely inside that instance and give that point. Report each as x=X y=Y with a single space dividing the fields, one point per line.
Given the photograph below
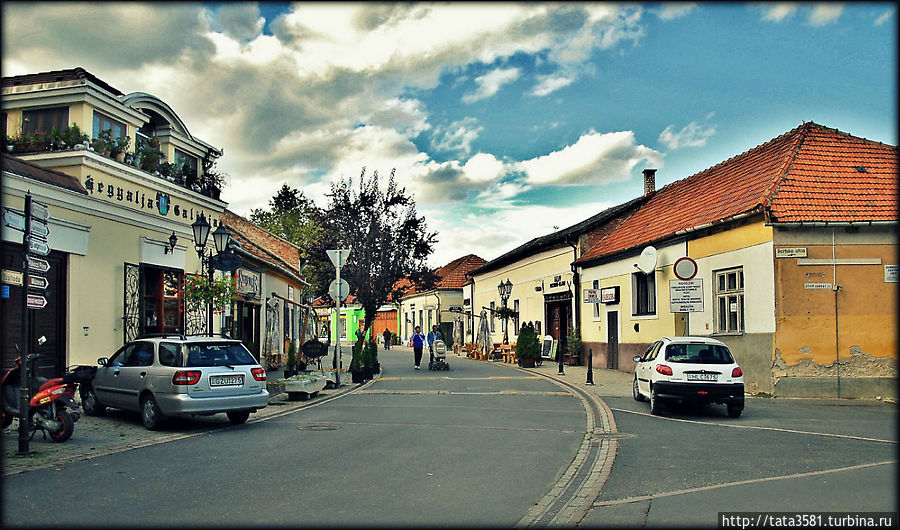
x=387 y=339
x=418 y=342
x=433 y=335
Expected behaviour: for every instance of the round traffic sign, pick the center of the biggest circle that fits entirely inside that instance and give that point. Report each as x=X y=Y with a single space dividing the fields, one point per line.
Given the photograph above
x=685 y=268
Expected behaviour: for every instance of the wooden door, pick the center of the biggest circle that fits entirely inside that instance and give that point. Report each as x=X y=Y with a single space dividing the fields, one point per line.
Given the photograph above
x=612 y=340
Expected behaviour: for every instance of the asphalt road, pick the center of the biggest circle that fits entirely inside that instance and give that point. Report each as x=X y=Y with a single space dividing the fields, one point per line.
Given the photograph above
x=475 y=446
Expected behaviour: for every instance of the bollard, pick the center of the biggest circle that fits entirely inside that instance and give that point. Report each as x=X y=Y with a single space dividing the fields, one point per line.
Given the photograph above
x=559 y=358
x=590 y=377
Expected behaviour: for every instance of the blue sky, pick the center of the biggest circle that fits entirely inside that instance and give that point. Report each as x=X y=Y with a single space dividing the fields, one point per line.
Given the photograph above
x=504 y=120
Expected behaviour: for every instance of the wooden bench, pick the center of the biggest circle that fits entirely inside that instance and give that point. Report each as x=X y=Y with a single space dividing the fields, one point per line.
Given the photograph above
x=509 y=353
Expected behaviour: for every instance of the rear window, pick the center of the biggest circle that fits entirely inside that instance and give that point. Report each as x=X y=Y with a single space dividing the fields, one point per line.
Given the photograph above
x=218 y=354
x=699 y=354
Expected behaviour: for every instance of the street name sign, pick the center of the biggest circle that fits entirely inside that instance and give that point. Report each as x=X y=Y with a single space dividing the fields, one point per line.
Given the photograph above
x=38 y=264
x=39 y=211
x=14 y=219
x=39 y=229
x=38 y=247
x=35 y=301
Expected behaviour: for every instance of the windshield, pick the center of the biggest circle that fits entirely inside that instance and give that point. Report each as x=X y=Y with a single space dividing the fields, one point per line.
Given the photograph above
x=698 y=353
x=218 y=354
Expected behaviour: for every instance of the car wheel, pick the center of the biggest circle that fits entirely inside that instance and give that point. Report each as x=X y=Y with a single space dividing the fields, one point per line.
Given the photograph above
x=734 y=411
x=150 y=414
x=238 y=417
x=90 y=403
x=655 y=403
x=635 y=392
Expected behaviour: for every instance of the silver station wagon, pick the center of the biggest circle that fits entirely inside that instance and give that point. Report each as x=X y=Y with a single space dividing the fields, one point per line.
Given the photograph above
x=174 y=375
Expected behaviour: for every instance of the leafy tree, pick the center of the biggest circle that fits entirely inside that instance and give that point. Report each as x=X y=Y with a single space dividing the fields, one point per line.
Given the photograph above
x=387 y=240
x=295 y=218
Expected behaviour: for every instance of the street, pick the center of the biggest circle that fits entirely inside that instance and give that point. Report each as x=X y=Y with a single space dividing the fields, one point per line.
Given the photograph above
x=483 y=444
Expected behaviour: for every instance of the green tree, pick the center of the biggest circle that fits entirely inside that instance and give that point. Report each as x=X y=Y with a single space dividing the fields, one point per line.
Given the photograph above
x=388 y=241
x=295 y=218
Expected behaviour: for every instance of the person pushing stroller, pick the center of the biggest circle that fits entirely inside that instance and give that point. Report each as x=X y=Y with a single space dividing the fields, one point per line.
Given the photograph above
x=433 y=335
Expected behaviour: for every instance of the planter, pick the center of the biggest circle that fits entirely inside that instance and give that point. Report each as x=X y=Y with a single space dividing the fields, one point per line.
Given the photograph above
x=357 y=376
x=289 y=373
x=527 y=363
x=120 y=157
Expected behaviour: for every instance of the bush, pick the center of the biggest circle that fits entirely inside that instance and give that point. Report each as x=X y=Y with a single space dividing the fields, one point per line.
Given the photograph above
x=528 y=345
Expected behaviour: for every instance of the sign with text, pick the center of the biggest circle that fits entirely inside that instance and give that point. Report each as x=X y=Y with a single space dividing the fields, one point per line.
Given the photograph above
x=35 y=301
x=686 y=296
x=249 y=283
x=591 y=296
x=609 y=295
x=817 y=286
x=38 y=282
x=38 y=264
x=790 y=252
x=38 y=247
x=890 y=274
x=12 y=277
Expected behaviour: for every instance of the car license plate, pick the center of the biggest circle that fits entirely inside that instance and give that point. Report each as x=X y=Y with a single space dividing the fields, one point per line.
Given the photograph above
x=702 y=377
x=226 y=380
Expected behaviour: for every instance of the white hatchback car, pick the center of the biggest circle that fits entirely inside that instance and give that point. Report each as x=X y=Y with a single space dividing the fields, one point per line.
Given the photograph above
x=696 y=369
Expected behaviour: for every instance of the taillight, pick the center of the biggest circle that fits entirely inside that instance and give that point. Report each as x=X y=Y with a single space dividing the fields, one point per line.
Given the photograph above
x=663 y=369
x=737 y=372
x=186 y=377
x=259 y=374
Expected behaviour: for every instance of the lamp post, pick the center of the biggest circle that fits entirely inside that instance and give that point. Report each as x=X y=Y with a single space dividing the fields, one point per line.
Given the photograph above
x=505 y=289
x=221 y=236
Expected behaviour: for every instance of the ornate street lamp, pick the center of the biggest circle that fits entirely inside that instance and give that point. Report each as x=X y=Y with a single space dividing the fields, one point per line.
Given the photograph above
x=221 y=237
x=505 y=289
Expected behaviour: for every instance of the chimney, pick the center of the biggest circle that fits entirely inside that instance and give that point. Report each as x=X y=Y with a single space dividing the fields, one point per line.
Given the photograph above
x=649 y=181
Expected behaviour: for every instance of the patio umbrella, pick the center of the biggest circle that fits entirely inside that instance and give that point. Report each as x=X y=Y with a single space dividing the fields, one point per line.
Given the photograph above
x=457 y=335
x=484 y=333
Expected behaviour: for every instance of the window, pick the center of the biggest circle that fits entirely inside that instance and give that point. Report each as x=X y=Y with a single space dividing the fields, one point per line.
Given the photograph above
x=643 y=294
x=492 y=316
x=169 y=354
x=729 y=287
x=44 y=120
x=103 y=122
x=182 y=158
x=596 y=285
x=516 y=317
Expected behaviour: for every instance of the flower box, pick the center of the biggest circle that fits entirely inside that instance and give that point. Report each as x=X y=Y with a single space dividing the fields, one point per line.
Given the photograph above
x=304 y=385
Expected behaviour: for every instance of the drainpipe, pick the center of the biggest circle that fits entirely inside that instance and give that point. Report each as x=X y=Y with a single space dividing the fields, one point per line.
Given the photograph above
x=576 y=299
x=836 y=288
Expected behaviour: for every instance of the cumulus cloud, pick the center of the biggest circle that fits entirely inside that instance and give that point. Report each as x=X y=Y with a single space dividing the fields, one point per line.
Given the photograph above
x=457 y=136
x=491 y=83
x=779 y=11
x=550 y=84
x=822 y=14
x=691 y=135
x=596 y=158
x=239 y=20
x=673 y=10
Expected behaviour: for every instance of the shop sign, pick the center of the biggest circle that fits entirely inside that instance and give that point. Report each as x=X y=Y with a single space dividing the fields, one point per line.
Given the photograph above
x=12 y=277
x=686 y=296
x=790 y=252
x=890 y=274
x=249 y=283
x=609 y=295
x=162 y=204
x=591 y=296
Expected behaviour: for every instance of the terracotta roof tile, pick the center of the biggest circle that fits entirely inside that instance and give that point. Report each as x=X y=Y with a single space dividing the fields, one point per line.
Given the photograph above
x=47 y=176
x=807 y=174
x=451 y=275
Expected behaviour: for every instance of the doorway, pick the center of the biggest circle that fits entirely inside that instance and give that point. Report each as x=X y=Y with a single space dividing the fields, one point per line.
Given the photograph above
x=612 y=340
x=558 y=325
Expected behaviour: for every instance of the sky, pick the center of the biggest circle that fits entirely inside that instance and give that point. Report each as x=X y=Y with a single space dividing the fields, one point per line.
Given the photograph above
x=505 y=121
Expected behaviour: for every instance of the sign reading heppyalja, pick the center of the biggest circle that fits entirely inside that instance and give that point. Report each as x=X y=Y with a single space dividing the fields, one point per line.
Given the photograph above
x=161 y=204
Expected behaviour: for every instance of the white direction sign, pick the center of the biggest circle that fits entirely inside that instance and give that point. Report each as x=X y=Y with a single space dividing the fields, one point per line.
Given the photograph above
x=39 y=211
x=38 y=264
x=38 y=282
x=39 y=229
x=35 y=301
x=38 y=247
x=14 y=219
x=333 y=290
x=338 y=257
x=686 y=296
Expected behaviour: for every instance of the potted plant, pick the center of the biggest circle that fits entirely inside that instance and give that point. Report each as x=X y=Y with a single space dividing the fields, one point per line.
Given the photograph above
x=373 y=356
x=167 y=171
x=290 y=368
x=103 y=143
x=528 y=347
x=149 y=154
x=212 y=181
x=73 y=137
x=356 y=363
x=573 y=347
x=120 y=146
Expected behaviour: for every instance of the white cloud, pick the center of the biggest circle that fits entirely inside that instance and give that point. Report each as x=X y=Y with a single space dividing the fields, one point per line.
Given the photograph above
x=673 y=10
x=491 y=83
x=596 y=158
x=550 y=84
x=457 y=136
x=691 y=135
x=779 y=11
x=484 y=167
x=885 y=16
x=822 y=14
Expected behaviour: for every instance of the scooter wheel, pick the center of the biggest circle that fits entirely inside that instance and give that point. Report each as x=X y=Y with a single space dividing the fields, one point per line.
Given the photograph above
x=68 y=426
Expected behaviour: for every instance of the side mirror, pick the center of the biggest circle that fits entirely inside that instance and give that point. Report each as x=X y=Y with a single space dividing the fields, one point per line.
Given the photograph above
x=102 y=361
x=636 y=358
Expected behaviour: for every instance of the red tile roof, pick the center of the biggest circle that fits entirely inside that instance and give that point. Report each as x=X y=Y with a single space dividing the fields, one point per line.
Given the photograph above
x=262 y=245
x=451 y=275
x=47 y=176
x=808 y=174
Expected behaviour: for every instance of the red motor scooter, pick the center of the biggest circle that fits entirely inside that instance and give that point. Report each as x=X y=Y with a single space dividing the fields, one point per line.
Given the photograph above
x=52 y=409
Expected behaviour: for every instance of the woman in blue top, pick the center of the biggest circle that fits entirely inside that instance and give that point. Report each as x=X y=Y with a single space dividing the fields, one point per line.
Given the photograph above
x=418 y=343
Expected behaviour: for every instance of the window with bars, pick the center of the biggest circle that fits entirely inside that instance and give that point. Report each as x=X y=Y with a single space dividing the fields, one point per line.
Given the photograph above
x=729 y=293
x=643 y=294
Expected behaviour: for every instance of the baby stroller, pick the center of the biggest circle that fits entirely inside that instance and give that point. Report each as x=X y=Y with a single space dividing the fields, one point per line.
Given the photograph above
x=438 y=356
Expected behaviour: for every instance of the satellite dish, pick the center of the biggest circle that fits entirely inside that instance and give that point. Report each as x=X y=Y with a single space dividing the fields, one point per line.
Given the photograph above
x=647 y=260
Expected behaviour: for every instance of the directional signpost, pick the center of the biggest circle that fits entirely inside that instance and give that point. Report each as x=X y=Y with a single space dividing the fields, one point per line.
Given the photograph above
x=338 y=258
x=33 y=225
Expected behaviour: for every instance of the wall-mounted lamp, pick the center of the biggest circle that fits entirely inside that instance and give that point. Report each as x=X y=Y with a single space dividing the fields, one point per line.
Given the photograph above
x=170 y=248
